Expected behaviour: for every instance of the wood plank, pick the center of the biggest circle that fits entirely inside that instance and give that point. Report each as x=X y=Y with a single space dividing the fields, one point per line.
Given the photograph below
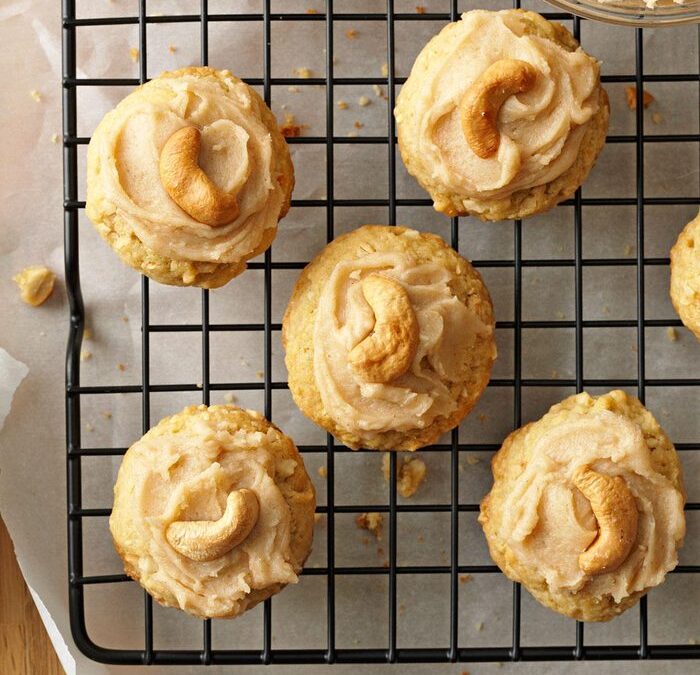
x=25 y=648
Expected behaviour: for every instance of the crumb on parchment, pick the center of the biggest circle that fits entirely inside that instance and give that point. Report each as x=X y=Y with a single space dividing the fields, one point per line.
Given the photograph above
x=372 y=522
x=464 y=578
x=322 y=471
x=472 y=459
x=85 y=354
x=172 y=49
x=290 y=128
x=54 y=138
x=409 y=474
x=121 y=367
x=420 y=9
x=229 y=397
x=672 y=334
x=631 y=94
x=35 y=95
x=303 y=72
x=134 y=54
x=342 y=105
x=364 y=101
x=351 y=33
x=384 y=69
x=35 y=284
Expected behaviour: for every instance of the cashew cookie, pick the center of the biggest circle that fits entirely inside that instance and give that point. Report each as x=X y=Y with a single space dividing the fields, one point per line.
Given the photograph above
x=586 y=510
x=499 y=137
x=685 y=276
x=213 y=511
x=389 y=338
x=188 y=177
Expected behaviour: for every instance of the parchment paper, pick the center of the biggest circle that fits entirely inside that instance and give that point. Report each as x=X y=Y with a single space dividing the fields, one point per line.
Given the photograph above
x=32 y=453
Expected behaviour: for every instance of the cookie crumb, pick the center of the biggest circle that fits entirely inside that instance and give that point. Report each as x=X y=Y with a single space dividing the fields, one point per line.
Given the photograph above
x=351 y=134
x=559 y=315
x=351 y=33
x=464 y=672
x=89 y=427
x=420 y=538
x=481 y=417
x=342 y=105
x=121 y=367
x=385 y=69
x=85 y=354
x=372 y=522
x=35 y=95
x=322 y=471
x=472 y=459
x=290 y=129
x=35 y=284
x=554 y=375
x=259 y=374
x=125 y=318
x=364 y=101
x=317 y=517
x=358 y=124
x=672 y=334
x=692 y=641
x=409 y=474
x=479 y=625
x=292 y=89
x=402 y=609
x=229 y=397
x=107 y=414
x=465 y=578
x=134 y=54
x=303 y=73
x=311 y=11
x=657 y=118
x=631 y=94
x=172 y=49
x=54 y=138
x=420 y=9
x=628 y=249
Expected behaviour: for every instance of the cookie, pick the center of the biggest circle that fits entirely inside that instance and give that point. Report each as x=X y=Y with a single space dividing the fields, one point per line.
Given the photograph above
x=685 y=276
x=586 y=510
x=188 y=177
x=213 y=511
x=389 y=338
x=502 y=116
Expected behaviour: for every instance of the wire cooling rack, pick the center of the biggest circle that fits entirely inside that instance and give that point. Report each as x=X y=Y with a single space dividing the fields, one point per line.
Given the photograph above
x=452 y=650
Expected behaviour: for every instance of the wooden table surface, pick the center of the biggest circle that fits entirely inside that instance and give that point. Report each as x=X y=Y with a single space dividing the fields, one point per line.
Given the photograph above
x=25 y=648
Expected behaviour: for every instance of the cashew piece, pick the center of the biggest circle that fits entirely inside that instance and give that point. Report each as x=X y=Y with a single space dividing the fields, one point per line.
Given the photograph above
x=188 y=186
x=615 y=510
x=387 y=352
x=483 y=100
x=204 y=540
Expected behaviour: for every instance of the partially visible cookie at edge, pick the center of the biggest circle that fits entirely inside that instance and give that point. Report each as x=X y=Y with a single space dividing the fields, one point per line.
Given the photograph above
x=685 y=276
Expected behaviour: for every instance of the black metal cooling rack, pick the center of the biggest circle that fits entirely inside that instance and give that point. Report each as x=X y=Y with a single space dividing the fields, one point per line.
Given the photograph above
x=577 y=649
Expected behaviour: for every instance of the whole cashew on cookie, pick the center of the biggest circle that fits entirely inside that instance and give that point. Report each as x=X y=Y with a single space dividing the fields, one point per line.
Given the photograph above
x=483 y=100
x=188 y=186
x=204 y=540
x=387 y=352
x=615 y=510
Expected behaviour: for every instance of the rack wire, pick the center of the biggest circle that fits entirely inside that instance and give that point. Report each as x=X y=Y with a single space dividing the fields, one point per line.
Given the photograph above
x=76 y=451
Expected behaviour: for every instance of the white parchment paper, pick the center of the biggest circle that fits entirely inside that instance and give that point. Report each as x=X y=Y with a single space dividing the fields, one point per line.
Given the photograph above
x=32 y=444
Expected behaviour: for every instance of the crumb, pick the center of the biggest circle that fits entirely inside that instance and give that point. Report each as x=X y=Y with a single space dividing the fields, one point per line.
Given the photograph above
x=312 y=11
x=559 y=315
x=664 y=412
x=121 y=367
x=554 y=375
x=481 y=417
x=42 y=333
x=317 y=517
x=385 y=564
x=134 y=54
x=628 y=249
x=292 y=89
x=358 y=124
x=464 y=578
x=364 y=101
x=372 y=522
x=479 y=625
x=35 y=95
x=107 y=414
x=606 y=309
x=634 y=348
x=380 y=551
x=672 y=334
x=322 y=471
x=631 y=93
x=35 y=284
x=409 y=474
x=464 y=672
x=303 y=73
x=172 y=49
x=87 y=334
x=472 y=459
x=244 y=362
x=385 y=69
x=229 y=397
x=89 y=427
x=335 y=60
x=350 y=33
x=692 y=641
x=342 y=105
x=125 y=319
x=290 y=129
x=85 y=355
x=259 y=374
x=420 y=538
x=379 y=92
x=54 y=138
x=351 y=134
x=420 y=9
x=402 y=609
x=657 y=118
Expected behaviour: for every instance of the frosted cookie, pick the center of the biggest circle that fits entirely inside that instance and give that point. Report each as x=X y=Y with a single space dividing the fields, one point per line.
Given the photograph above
x=502 y=116
x=188 y=176
x=389 y=338
x=586 y=509
x=685 y=276
x=213 y=511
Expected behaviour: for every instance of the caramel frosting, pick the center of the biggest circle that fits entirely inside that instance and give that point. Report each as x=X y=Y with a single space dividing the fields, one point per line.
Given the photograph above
x=549 y=523
x=440 y=327
x=183 y=470
x=541 y=129
x=236 y=155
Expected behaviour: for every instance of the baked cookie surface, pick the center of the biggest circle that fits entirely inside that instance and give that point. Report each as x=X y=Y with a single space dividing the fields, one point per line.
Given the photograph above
x=213 y=511
x=188 y=176
x=685 y=276
x=502 y=116
x=586 y=510
x=389 y=338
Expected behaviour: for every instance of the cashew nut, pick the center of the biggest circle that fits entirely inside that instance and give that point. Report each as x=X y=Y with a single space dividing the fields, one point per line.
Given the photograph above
x=484 y=98
x=387 y=352
x=615 y=510
x=188 y=186
x=203 y=540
